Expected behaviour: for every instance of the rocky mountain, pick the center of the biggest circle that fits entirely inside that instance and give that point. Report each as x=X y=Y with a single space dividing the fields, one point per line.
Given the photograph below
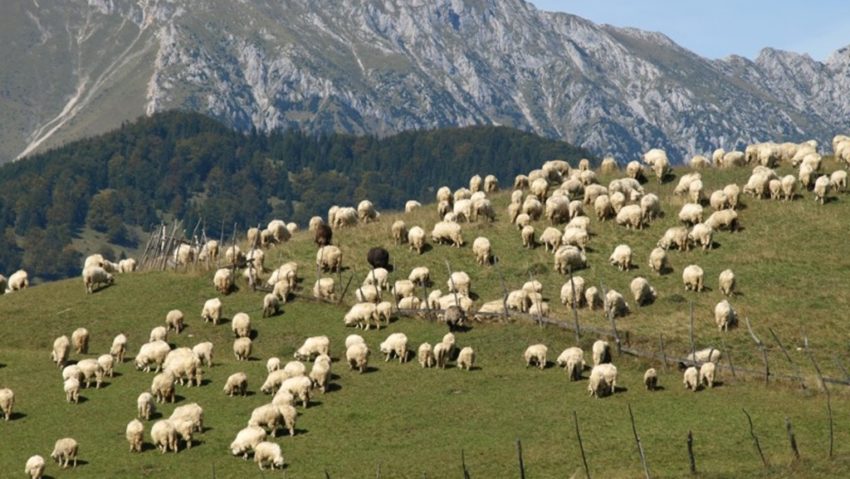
x=383 y=66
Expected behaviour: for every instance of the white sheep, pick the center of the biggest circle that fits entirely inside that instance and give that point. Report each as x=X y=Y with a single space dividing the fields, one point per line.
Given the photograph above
x=135 y=434
x=211 y=311
x=313 y=346
x=357 y=356
x=630 y=216
x=7 y=402
x=838 y=180
x=145 y=405
x=119 y=347
x=158 y=333
x=80 y=340
x=821 y=189
x=621 y=257
x=678 y=236
x=399 y=232
x=395 y=343
x=658 y=261
x=241 y=325
x=377 y=277
x=705 y=355
x=574 y=236
x=650 y=379
x=18 y=280
x=94 y=276
x=536 y=353
x=71 y=386
x=366 y=212
x=107 y=363
x=603 y=380
x=642 y=292
x=491 y=184
x=481 y=249
x=789 y=187
x=320 y=374
x=411 y=205
x=223 y=280
x=65 y=450
x=601 y=352
x=691 y=213
x=527 y=235
x=692 y=277
x=466 y=358
x=593 y=298
x=447 y=232
x=701 y=234
x=299 y=387
x=420 y=276
x=246 y=439
x=727 y=282
x=425 y=355
x=237 y=383
x=268 y=453
x=162 y=387
x=164 y=436
x=572 y=360
x=61 y=350
x=723 y=220
x=573 y=293
x=91 y=371
x=242 y=348
x=615 y=304
x=329 y=258
x=416 y=238
x=204 y=352
x=174 y=320
x=324 y=289
x=459 y=282
x=691 y=379
x=271 y=305
x=569 y=258
x=724 y=315
x=34 y=467
x=706 y=374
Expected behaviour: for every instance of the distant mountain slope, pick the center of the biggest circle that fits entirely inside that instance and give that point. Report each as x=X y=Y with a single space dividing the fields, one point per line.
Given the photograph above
x=385 y=66
x=190 y=167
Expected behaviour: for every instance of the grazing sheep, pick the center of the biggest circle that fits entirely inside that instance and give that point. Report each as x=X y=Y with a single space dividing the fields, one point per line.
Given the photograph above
x=395 y=343
x=718 y=200
x=420 y=276
x=34 y=467
x=164 y=436
x=7 y=402
x=411 y=206
x=642 y=292
x=145 y=406
x=91 y=371
x=271 y=305
x=838 y=180
x=107 y=363
x=615 y=304
x=705 y=355
x=94 y=276
x=152 y=353
x=701 y=234
x=242 y=348
x=459 y=282
x=723 y=220
x=727 y=282
x=211 y=311
x=491 y=184
x=466 y=358
x=650 y=379
x=71 y=386
x=159 y=333
x=692 y=277
x=658 y=261
x=603 y=380
x=246 y=440
x=482 y=250
x=593 y=298
x=569 y=258
x=574 y=236
x=821 y=189
x=706 y=374
x=441 y=354
x=268 y=453
x=320 y=374
x=366 y=212
x=174 y=320
x=536 y=353
x=299 y=387
x=313 y=346
x=329 y=258
x=601 y=352
x=528 y=236
x=135 y=434
x=357 y=356
x=724 y=315
x=162 y=387
x=691 y=379
x=426 y=357
x=223 y=280
x=572 y=360
x=61 y=350
x=447 y=232
x=237 y=383
x=621 y=257
x=691 y=213
x=630 y=216
x=80 y=340
x=789 y=187
x=204 y=353
x=119 y=347
x=678 y=236
x=416 y=238
x=399 y=232
x=64 y=451
x=241 y=325
x=18 y=280
x=573 y=293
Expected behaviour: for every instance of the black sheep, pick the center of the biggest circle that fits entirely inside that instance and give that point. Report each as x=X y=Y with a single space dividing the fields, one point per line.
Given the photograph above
x=378 y=258
x=324 y=235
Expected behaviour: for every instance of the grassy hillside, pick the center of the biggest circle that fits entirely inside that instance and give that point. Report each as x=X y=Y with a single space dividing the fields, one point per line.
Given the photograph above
x=790 y=259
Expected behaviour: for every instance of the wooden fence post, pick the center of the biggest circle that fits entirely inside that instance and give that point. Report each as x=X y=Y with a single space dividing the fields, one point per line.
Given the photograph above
x=787 y=357
x=792 y=440
x=755 y=438
x=581 y=446
x=637 y=441
x=760 y=345
x=828 y=396
x=519 y=456
x=692 y=463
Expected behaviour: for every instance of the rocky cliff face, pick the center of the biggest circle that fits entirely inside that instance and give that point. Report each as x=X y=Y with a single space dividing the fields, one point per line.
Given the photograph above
x=372 y=66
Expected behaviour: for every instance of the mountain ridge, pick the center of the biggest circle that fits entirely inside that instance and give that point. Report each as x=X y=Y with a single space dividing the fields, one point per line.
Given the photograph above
x=381 y=67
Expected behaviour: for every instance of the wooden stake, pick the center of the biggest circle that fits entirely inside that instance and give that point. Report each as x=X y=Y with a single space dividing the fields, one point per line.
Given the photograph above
x=581 y=446
x=519 y=456
x=692 y=463
x=575 y=307
x=792 y=440
x=663 y=353
x=755 y=438
x=787 y=357
x=760 y=345
x=637 y=441
x=828 y=397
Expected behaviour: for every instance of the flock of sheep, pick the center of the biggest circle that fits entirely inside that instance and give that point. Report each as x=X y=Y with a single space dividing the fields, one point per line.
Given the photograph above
x=557 y=192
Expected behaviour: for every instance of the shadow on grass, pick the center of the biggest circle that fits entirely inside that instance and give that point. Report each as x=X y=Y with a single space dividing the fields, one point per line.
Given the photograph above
x=620 y=389
x=333 y=387
x=19 y=415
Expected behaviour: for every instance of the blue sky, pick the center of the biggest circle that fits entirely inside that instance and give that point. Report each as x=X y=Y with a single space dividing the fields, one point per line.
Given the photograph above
x=717 y=28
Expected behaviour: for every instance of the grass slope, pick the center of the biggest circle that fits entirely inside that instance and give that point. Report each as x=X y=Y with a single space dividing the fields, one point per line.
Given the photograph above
x=791 y=262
